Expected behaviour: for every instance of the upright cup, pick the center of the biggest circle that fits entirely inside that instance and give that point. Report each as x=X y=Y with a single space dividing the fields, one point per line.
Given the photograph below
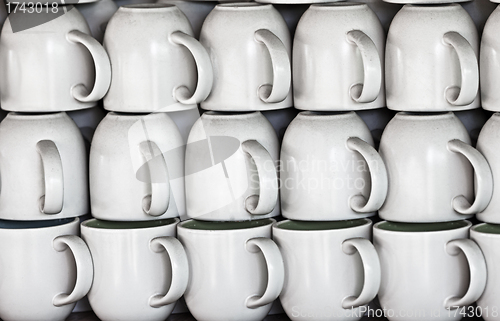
x=53 y=66
x=46 y=268
x=134 y=279
x=332 y=268
x=235 y=269
x=429 y=270
x=338 y=58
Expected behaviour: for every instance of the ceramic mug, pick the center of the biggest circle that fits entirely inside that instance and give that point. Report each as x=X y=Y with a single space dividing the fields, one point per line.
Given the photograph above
x=250 y=48
x=53 y=66
x=235 y=269
x=431 y=59
x=487 y=144
x=487 y=236
x=231 y=172
x=429 y=270
x=46 y=268
x=490 y=70
x=136 y=168
x=332 y=268
x=138 y=281
x=43 y=165
x=432 y=170
x=97 y=15
x=329 y=169
x=168 y=70
x=338 y=54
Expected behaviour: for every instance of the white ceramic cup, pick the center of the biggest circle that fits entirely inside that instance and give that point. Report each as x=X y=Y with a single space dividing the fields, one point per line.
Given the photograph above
x=136 y=168
x=231 y=172
x=431 y=59
x=435 y=175
x=235 y=269
x=43 y=165
x=489 y=63
x=329 y=169
x=250 y=48
x=157 y=64
x=331 y=268
x=487 y=236
x=53 y=66
x=142 y=280
x=487 y=144
x=46 y=268
x=338 y=58
x=429 y=270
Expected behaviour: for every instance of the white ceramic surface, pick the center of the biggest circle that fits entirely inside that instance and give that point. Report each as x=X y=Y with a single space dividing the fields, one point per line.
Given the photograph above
x=157 y=65
x=46 y=268
x=139 y=281
x=487 y=236
x=426 y=272
x=338 y=58
x=490 y=63
x=43 y=165
x=97 y=15
x=136 y=168
x=385 y=11
x=431 y=59
x=332 y=269
x=329 y=169
x=487 y=144
x=54 y=66
x=250 y=48
x=434 y=173
x=425 y=2
x=235 y=271
x=231 y=172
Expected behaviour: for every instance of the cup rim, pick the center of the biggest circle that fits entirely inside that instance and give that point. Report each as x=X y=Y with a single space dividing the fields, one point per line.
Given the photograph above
x=84 y=224
x=181 y=227
x=318 y=114
x=155 y=7
x=236 y=6
x=367 y=222
x=430 y=6
x=376 y=227
x=29 y=115
x=70 y=220
x=474 y=230
x=338 y=5
x=235 y=115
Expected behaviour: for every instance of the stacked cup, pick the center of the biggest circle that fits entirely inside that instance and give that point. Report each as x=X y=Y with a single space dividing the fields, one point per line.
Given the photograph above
x=50 y=65
x=332 y=178
x=231 y=166
x=437 y=180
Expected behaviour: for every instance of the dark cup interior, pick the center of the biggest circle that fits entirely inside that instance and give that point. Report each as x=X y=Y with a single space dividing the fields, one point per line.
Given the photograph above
x=16 y=225
x=421 y=227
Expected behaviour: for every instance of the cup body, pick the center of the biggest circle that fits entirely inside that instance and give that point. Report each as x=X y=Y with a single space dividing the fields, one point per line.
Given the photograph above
x=413 y=262
x=41 y=66
x=147 y=70
x=224 y=274
x=319 y=173
x=221 y=175
x=243 y=67
x=424 y=174
x=327 y=65
x=490 y=71
x=28 y=287
x=319 y=274
x=431 y=59
x=126 y=277
x=137 y=168
x=27 y=187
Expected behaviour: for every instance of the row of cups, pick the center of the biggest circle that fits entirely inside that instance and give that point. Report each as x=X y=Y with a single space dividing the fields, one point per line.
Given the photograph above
x=242 y=61
x=235 y=270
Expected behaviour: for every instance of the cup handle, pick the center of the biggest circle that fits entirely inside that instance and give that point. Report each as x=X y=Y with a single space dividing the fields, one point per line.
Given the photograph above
x=282 y=74
x=52 y=201
x=84 y=268
x=157 y=202
x=378 y=174
x=478 y=272
x=102 y=68
x=484 y=179
x=265 y=202
x=371 y=268
x=203 y=67
x=464 y=95
x=180 y=270
x=275 y=271
x=369 y=90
